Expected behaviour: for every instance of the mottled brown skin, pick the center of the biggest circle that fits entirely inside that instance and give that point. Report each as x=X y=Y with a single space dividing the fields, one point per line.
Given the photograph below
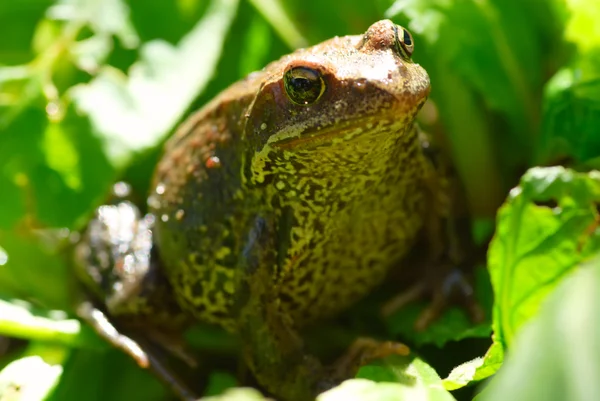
x=271 y=214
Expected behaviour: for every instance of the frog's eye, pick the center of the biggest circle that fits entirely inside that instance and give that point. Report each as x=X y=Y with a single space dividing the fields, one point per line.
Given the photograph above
x=404 y=42
x=303 y=85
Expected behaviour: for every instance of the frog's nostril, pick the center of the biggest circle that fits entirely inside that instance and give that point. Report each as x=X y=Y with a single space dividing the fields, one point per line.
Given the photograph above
x=379 y=36
x=384 y=35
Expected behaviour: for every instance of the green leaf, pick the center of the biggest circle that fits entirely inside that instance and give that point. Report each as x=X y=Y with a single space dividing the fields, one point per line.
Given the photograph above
x=104 y=17
x=556 y=356
x=582 y=27
x=392 y=379
x=19 y=319
x=61 y=156
x=453 y=325
x=219 y=382
x=476 y=369
x=31 y=271
x=18 y=20
x=572 y=117
x=112 y=375
x=281 y=22
x=546 y=228
x=134 y=112
x=28 y=379
x=238 y=394
x=571 y=99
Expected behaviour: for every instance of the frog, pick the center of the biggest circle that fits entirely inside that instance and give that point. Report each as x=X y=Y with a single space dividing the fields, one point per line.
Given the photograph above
x=283 y=201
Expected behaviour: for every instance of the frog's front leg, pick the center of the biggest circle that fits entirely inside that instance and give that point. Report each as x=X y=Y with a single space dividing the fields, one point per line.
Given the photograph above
x=272 y=347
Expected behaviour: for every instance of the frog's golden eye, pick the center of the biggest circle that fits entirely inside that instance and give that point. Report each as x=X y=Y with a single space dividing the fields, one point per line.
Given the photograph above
x=404 y=42
x=303 y=85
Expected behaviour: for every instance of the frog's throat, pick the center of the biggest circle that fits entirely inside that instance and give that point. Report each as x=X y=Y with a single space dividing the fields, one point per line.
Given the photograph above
x=360 y=149
x=302 y=138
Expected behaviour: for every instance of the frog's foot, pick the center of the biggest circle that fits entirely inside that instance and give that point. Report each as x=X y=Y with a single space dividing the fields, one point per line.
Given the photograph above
x=362 y=352
x=142 y=355
x=451 y=288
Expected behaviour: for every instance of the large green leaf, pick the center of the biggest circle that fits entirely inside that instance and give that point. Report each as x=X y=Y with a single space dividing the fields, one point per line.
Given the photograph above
x=556 y=356
x=546 y=228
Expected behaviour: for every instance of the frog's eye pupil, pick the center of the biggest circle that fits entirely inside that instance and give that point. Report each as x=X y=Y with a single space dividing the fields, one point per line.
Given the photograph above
x=407 y=38
x=300 y=84
x=303 y=85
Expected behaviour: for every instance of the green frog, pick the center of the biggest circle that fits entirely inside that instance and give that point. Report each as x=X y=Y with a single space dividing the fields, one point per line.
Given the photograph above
x=282 y=201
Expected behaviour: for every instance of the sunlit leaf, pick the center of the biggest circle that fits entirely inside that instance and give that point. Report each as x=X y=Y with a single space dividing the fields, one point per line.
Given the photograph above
x=3 y=256
x=105 y=17
x=583 y=28
x=62 y=156
x=28 y=379
x=133 y=112
x=393 y=379
x=237 y=394
x=547 y=227
x=476 y=369
x=556 y=355
x=19 y=319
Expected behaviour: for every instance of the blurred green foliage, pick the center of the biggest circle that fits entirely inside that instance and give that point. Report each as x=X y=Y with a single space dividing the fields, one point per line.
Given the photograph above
x=90 y=89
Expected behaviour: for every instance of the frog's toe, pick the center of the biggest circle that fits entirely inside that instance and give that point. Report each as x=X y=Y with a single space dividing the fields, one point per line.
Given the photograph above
x=442 y=290
x=362 y=352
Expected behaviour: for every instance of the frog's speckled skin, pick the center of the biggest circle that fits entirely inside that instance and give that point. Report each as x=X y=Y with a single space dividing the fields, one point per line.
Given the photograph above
x=339 y=187
x=299 y=210
x=270 y=214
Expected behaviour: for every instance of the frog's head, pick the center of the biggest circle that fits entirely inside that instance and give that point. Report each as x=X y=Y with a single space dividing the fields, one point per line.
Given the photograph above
x=354 y=94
